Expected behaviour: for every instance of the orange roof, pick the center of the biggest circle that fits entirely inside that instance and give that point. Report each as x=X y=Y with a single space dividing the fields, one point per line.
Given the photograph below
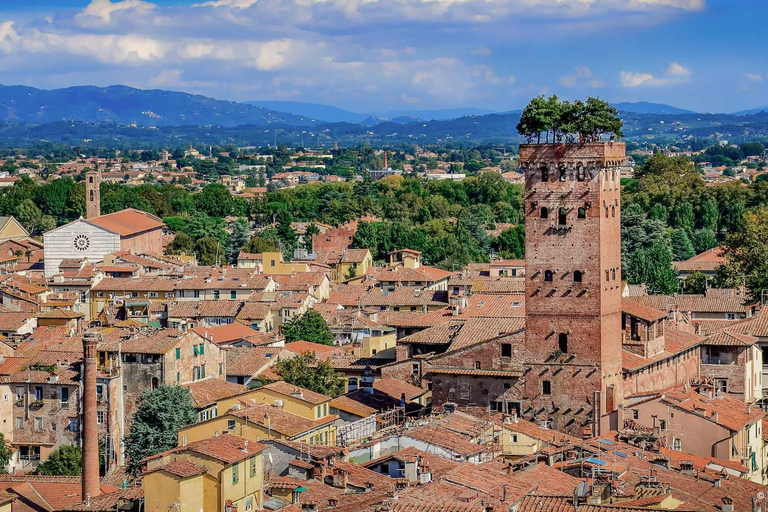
x=226 y=333
x=302 y=347
x=209 y=391
x=283 y=388
x=127 y=222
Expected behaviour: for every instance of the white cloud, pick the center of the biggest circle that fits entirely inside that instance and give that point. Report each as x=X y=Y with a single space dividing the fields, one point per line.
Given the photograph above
x=686 y=5
x=675 y=69
x=103 y=9
x=754 y=77
x=675 y=74
x=482 y=51
x=629 y=79
x=237 y=4
x=581 y=77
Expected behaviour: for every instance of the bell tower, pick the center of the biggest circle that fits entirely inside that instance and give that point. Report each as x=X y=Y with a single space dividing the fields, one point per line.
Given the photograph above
x=92 y=194
x=572 y=363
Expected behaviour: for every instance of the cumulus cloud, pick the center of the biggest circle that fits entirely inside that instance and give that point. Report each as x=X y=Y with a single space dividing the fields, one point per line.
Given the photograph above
x=754 y=77
x=103 y=9
x=582 y=78
x=675 y=74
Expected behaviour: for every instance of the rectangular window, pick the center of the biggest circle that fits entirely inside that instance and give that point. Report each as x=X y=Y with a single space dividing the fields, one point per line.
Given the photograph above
x=221 y=368
x=64 y=397
x=19 y=423
x=136 y=294
x=152 y=295
x=235 y=476
x=201 y=350
x=202 y=371
x=38 y=393
x=168 y=295
x=230 y=424
x=506 y=350
x=181 y=294
x=194 y=350
x=514 y=438
x=253 y=466
x=635 y=414
x=216 y=294
x=197 y=293
x=178 y=377
x=73 y=425
x=248 y=504
x=677 y=444
x=233 y=294
x=178 y=353
x=99 y=417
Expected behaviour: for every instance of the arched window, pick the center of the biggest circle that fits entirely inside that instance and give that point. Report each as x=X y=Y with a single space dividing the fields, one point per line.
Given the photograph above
x=578 y=276
x=546 y=387
x=544 y=212
x=613 y=211
x=563 y=174
x=562 y=342
x=562 y=216
x=606 y=212
x=582 y=213
x=92 y=196
x=607 y=276
x=90 y=179
x=580 y=173
x=613 y=274
x=548 y=276
x=544 y=173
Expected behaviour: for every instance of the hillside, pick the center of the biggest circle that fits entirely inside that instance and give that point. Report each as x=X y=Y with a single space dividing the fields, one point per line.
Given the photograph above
x=126 y=105
x=644 y=107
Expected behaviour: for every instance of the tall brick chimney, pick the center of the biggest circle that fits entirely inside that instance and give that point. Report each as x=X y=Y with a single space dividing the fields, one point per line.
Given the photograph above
x=91 y=484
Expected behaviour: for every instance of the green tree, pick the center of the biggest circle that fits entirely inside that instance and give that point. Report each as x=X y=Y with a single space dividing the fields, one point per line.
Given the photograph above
x=684 y=217
x=638 y=232
x=209 y=251
x=66 y=460
x=5 y=455
x=311 y=231
x=309 y=326
x=682 y=248
x=703 y=240
x=257 y=245
x=182 y=243
x=746 y=253
x=710 y=216
x=307 y=372
x=240 y=233
x=653 y=267
x=214 y=200
x=659 y=212
x=285 y=232
x=695 y=283
x=29 y=215
x=511 y=242
x=160 y=414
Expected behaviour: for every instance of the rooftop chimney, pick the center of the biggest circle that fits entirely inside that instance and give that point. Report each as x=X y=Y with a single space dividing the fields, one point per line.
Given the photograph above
x=90 y=479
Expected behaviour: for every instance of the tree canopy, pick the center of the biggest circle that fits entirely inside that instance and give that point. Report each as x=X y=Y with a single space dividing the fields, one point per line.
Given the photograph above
x=66 y=460
x=568 y=121
x=309 y=326
x=160 y=414
x=307 y=372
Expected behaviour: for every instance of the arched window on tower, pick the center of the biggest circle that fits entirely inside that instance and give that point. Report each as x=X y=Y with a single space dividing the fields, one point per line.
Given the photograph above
x=606 y=212
x=613 y=211
x=581 y=174
x=92 y=196
x=90 y=179
x=562 y=342
x=607 y=276
x=582 y=213
x=544 y=213
x=562 y=216
x=578 y=276
x=544 y=173
x=613 y=274
x=548 y=276
x=563 y=174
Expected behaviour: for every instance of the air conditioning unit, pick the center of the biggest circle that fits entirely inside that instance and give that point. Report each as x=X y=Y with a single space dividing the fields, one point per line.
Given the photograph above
x=279 y=404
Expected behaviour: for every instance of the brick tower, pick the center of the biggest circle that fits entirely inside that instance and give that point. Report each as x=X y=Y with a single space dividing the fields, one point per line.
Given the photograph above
x=91 y=485
x=572 y=350
x=92 y=194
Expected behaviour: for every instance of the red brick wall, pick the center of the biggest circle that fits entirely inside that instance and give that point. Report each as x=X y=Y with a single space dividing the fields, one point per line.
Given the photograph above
x=149 y=241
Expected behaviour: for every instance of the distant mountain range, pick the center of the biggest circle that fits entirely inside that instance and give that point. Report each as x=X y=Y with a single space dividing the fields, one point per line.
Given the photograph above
x=120 y=115
x=126 y=105
x=644 y=107
x=751 y=111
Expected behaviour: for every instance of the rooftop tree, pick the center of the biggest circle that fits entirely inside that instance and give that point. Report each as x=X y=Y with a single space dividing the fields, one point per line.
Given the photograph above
x=569 y=122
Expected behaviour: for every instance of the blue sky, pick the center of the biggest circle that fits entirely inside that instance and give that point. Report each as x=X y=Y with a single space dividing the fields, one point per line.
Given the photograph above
x=378 y=55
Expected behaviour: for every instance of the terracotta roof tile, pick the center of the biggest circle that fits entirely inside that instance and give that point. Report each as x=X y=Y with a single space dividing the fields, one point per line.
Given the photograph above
x=209 y=391
x=127 y=222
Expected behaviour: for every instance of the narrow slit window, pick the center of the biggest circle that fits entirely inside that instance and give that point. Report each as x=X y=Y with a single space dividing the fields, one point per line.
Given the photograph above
x=562 y=342
x=562 y=216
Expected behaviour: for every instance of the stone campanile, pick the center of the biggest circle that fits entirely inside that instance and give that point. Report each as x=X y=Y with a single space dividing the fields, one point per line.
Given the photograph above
x=573 y=285
x=90 y=479
x=93 y=194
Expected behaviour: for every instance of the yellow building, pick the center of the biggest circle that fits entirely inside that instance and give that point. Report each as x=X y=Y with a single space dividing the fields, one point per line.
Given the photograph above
x=10 y=229
x=353 y=262
x=293 y=399
x=520 y=438
x=258 y=421
x=137 y=294
x=6 y=501
x=215 y=474
x=380 y=343
x=270 y=263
